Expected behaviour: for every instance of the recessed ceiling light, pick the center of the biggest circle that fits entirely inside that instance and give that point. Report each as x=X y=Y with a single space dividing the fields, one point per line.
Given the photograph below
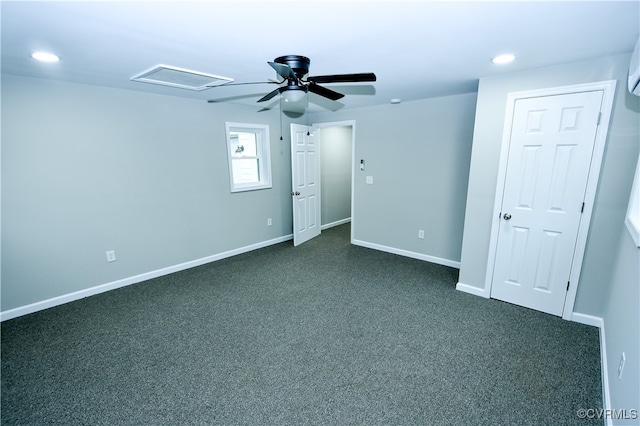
x=504 y=59
x=45 y=57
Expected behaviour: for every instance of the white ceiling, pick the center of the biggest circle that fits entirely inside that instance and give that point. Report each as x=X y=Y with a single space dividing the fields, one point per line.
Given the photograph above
x=418 y=49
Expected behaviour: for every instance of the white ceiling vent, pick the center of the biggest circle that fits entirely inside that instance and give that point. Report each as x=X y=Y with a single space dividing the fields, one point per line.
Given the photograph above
x=166 y=75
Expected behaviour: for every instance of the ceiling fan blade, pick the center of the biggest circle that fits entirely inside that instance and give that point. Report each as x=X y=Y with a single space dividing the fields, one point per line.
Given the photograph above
x=269 y=95
x=284 y=71
x=343 y=78
x=324 y=92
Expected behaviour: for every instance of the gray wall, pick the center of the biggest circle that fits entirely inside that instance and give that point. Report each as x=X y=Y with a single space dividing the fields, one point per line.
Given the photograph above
x=418 y=154
x=622 y=325
x=335 y=173
x=87 y=169
x=608 y=270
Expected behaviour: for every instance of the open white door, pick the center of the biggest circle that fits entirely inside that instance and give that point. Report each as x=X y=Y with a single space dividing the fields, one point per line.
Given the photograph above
x=305 y=176
x=550 y=154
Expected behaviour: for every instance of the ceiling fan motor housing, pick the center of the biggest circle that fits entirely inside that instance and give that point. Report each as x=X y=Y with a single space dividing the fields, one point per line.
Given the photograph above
x=299 y=64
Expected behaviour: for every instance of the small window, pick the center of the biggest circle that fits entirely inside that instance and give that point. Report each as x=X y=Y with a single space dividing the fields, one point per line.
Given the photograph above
x=249 y=156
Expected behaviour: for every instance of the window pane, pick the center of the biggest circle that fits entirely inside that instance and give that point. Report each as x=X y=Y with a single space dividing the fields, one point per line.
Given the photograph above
x=245 y=170
x=244 y=144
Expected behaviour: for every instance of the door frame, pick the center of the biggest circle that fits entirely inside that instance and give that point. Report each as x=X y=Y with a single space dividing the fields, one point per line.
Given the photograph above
x=608 y=87
x=352 y=124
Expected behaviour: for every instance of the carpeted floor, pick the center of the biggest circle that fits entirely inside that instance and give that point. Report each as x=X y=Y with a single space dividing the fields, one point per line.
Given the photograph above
x=323 y=333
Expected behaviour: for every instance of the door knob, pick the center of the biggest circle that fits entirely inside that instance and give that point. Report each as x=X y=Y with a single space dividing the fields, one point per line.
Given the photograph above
x=506 y=216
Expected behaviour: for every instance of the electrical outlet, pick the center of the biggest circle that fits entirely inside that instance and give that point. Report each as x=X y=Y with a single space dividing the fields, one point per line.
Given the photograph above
x=623 y=358
x=369 y=180
x=111 y=256
x=269 y=222
x=421 y=233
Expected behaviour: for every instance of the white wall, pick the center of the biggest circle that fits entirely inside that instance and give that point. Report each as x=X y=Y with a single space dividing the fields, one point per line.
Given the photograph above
x=608 y=282
x=418 y=155
x=87 y=169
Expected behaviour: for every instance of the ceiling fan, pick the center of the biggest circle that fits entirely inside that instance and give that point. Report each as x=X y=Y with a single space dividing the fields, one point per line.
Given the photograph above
x=295 y=83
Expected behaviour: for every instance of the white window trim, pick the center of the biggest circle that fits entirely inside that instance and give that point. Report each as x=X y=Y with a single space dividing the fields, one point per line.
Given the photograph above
x=264 y=155
x=633 y=213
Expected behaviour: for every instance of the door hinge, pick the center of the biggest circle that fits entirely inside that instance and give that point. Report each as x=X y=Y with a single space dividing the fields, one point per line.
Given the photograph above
x=568 y=282
x=599 y=118
x=582 y=209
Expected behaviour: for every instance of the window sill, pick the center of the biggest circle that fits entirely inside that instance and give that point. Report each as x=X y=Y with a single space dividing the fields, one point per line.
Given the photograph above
x=251 y=188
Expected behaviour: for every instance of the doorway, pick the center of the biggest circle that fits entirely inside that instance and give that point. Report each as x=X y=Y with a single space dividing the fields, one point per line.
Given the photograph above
x=335 y=174
x=335 y=143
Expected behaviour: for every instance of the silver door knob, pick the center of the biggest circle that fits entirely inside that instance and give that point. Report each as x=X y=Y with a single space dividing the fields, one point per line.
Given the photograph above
x=506 y=216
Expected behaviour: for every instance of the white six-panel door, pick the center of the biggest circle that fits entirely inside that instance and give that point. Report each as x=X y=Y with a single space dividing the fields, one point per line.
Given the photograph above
x=305 y=175
x=552 y=141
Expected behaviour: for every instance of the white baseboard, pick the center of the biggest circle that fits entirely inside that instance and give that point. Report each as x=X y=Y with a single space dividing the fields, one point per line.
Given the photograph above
x=599 y=322
x=406 y=253
x=476 y=291
x=70 y=297
x=336 y=223
x=587 y=319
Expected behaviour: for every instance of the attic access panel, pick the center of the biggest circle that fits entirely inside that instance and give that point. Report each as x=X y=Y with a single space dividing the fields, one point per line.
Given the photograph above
x=181 y=78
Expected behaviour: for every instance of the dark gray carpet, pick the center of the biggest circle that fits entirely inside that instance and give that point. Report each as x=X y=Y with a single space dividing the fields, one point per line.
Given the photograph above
x=325 y=333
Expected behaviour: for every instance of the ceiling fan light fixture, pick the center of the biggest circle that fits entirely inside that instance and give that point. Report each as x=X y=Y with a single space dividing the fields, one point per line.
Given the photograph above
x=293 y=93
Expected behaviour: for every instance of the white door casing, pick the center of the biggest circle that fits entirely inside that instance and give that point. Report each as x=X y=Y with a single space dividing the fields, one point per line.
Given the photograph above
x=305 y=176
x=549 y=166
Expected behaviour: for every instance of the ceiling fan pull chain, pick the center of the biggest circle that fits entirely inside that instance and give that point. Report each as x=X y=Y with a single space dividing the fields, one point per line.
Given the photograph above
x=280 y=117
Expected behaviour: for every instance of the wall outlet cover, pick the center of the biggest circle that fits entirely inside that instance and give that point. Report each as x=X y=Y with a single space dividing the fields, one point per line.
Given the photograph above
x=623 y=359
x=111 y=256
